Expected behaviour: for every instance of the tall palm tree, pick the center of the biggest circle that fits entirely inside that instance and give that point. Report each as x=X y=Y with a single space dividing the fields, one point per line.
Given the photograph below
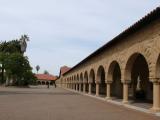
x=37 y=68
x=23 y=42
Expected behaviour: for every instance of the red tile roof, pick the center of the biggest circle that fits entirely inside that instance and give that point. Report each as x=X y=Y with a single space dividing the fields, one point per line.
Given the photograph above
x=45 y=77
x=64 y=69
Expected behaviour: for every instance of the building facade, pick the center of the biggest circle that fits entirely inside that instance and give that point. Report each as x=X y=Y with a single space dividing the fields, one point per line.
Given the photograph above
x=63 y=70
x=127 y=67
x=45 y=79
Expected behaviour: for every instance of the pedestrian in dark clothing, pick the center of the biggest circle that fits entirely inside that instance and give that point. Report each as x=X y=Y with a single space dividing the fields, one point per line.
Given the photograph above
x=48 y=85
x=55 y=84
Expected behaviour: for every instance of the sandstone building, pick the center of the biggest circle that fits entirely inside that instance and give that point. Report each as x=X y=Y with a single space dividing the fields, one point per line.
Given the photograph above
x=127 y=67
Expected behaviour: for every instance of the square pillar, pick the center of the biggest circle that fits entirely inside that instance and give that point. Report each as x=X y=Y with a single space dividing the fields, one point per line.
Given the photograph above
x=97 y=89
x=156 y=96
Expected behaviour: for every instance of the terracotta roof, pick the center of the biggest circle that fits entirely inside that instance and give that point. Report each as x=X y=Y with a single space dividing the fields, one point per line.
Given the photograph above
x=64 y=69
x=152 y=16
x=45 y=77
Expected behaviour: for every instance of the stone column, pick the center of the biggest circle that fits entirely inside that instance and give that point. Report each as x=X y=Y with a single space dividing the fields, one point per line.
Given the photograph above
x=80 y=87
x=72 y=85
x=90 y=88
x=108 y=88
x=125 y=92
x=97 y=89
x=84 y=87
x=156 y=96
x=76 y=86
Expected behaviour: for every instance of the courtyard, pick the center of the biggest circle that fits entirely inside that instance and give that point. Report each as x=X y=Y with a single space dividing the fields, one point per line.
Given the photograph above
x=40 y=103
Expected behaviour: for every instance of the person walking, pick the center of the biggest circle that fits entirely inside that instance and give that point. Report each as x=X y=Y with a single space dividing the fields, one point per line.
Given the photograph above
x=55 y=84
x=48 y=85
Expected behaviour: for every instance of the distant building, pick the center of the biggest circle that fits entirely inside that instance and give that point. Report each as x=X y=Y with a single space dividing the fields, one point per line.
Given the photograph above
x=45 y=79
x=63 y=70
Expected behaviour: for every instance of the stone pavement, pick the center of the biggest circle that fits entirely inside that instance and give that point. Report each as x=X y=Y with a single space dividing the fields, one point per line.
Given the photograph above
x=40 y=103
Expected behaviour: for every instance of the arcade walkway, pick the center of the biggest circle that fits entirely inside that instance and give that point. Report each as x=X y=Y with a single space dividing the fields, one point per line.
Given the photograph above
x=40 y=103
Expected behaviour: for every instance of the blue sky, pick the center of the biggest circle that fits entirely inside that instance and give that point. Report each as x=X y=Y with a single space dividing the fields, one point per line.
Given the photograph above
x=64 y=32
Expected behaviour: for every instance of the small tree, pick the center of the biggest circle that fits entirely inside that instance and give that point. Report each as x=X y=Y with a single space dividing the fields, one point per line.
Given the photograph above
x=18 y=68
x=46 y=72
x=7 y=48
x=37 y=68
x=13 y=62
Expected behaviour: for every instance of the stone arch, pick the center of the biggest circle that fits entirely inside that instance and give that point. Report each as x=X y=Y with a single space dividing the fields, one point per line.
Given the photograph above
x=81 y=82
x=92 y=81
x=74 y=78
x=100 y=74
x=78 y=81
x=86 y=77
x=47 y=83
x=111 y=68
x=77 y=77
x=137 y=72
x=157 y=70
x=91 y=76
x=39 y=83
x=101 y=79
x=114 y=77
x=43 y=83
x=86 y=81
x=81 y=77
x=129 y=65
x=74 y=82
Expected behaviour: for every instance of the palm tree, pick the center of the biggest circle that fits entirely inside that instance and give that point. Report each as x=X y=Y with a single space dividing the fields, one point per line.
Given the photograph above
x=23 y=42
x=37 y=68
x=24 y=37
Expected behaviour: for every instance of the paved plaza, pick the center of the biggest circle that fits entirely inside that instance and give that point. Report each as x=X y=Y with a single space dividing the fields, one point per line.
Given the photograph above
x=40 y=103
